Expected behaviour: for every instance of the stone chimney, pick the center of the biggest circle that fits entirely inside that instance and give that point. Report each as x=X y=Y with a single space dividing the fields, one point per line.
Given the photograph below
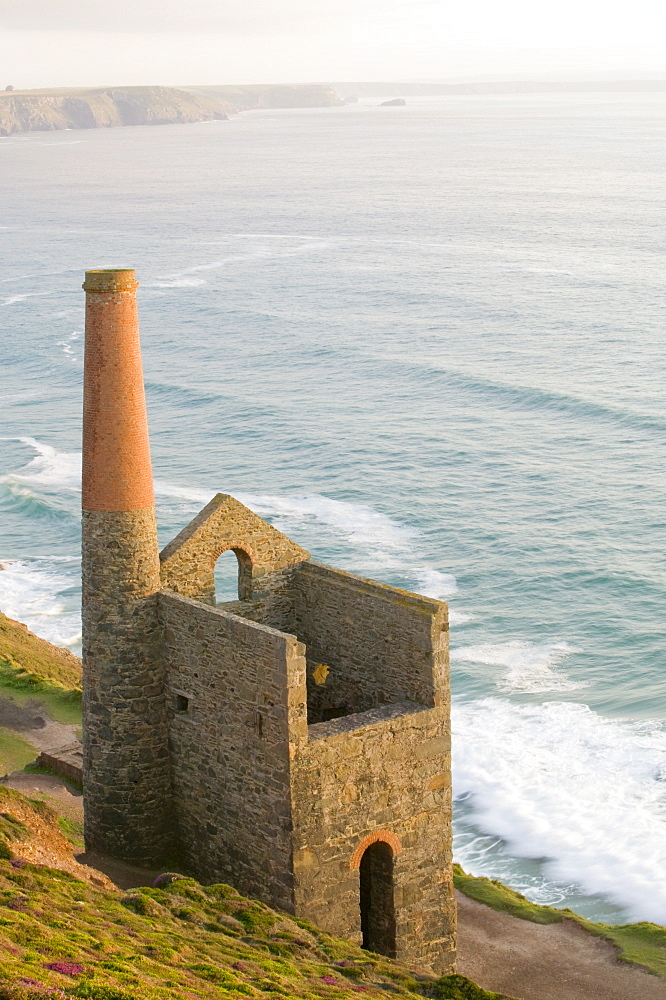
x=127 y=783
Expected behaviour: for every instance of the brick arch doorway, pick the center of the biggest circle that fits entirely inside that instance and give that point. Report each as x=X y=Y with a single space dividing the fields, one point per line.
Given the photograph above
x=377 y=899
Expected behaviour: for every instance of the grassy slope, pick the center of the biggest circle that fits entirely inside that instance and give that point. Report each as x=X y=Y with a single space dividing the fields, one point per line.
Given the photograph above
x=642 y=943
x=31 y=669
x=182 y=941
x=15 y=752
x=36 y=656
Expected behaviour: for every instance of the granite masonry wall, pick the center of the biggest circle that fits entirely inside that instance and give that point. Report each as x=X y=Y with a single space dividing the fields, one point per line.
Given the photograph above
x=380 y=775
x=367 y=644
x=236 y=693
x=126 y=769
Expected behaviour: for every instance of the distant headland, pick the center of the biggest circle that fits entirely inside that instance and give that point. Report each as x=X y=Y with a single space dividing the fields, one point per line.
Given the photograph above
x=108 y=107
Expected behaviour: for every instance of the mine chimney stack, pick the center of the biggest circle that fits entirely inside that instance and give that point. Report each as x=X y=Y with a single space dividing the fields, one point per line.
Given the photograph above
x=127 y=784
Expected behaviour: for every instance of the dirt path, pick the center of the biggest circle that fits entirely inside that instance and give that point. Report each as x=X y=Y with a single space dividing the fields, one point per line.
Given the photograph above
x=64 y=798
x=33 y=723
x=123 y=875
x=544 y=962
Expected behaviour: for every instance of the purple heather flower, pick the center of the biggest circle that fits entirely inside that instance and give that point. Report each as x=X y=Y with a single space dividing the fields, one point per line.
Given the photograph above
x=65 y=968
x=329 y=980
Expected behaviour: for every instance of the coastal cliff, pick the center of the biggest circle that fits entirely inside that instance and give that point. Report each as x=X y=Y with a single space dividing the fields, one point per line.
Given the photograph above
x=46 y=110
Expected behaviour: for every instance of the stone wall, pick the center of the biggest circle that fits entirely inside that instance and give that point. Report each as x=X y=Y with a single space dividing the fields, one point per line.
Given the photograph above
x=237 y=699
x=381 y=775
x=367 y=644
x=128 y=808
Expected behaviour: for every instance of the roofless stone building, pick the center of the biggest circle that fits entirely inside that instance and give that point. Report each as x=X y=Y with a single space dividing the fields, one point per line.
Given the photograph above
x=295 y=742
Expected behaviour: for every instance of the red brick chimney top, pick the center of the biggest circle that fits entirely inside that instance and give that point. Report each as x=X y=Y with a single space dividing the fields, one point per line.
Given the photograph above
x=117 y=474
x=110 y=280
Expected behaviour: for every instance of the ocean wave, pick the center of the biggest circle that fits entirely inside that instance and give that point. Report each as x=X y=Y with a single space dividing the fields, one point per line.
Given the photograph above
x=537 y=398
x=49 y=484
x=522 y=397
x=182 y=394
x=68 y=342
x=39 y=594
x=560 y=782
x=12 y=300
x=261 y=251
x=182 y=282
x=526 y=667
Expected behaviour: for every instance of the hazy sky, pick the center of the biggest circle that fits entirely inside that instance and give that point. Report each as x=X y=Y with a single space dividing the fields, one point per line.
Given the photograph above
x=85 y=42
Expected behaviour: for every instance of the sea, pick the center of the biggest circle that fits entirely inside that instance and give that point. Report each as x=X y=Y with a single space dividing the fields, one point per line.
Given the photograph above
x=427 y=342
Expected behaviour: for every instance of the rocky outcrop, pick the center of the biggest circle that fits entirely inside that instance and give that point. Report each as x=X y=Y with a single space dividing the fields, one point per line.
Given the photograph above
x=397 y=102
x=38 y=111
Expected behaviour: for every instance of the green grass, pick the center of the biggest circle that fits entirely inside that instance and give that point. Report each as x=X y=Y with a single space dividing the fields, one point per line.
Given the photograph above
x=72 y=829
x=27 y=652
x=15 y=752
x=185 y=942
x=21 y=687
x=641 y=944
x=180 y=941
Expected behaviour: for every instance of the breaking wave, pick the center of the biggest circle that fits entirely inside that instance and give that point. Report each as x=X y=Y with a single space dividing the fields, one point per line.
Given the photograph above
x=45 y=597
x=585 y=793
x=522 y=667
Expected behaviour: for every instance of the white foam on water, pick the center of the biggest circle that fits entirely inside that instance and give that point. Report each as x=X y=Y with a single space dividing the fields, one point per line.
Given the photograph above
x=181 y=279
x=49 y=467
x=458 y=617
x=182 y=282
x=560 y=782
x=433 y=583
x=194 y=496
x=67 y=344
x=365 y=530
x=52 y=478
x=30 y=592
x=525 y=667
x=13 y=299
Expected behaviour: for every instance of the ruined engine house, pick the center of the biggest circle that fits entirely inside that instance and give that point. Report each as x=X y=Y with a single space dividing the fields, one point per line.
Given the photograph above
x=295 y=742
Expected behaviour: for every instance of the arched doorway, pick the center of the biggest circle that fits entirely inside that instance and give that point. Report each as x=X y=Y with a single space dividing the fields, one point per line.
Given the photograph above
x=377 y=903
x=233 y=576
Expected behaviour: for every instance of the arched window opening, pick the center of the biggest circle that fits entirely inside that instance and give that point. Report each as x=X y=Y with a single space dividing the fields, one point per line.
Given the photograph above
x=233 y=576
x=377 y=902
